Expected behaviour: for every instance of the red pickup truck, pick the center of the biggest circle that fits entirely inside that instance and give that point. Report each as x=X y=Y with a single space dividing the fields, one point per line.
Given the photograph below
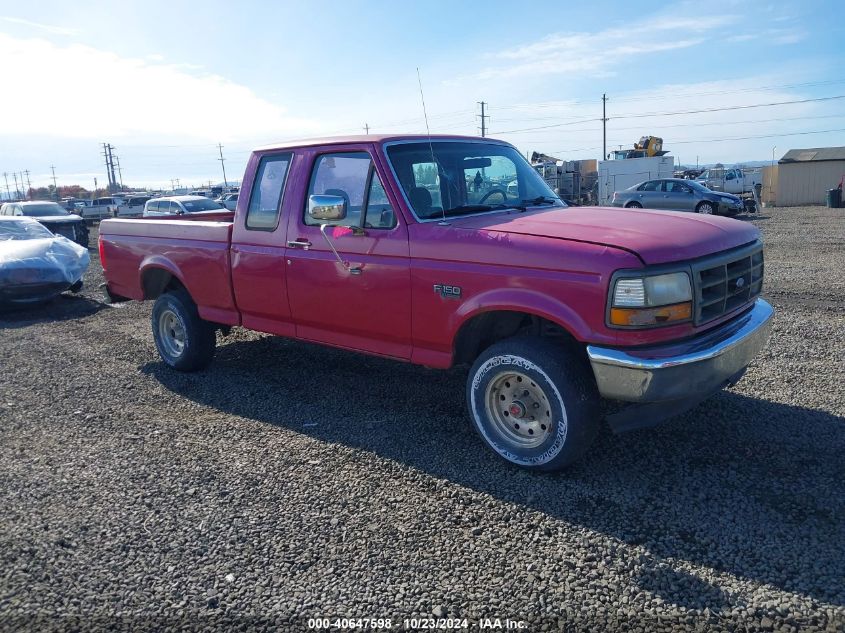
x=452 y=250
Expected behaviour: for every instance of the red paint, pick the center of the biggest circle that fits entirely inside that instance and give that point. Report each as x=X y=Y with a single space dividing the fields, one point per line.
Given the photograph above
x=551 y=263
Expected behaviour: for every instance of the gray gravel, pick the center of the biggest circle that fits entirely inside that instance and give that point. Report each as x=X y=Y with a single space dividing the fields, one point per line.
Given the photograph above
x=291 y=481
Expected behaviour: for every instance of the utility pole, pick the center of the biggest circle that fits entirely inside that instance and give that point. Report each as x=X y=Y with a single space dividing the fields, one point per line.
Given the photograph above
x=604 y=126
x=366 y=128
x=119 y=171
x=484 y=117
x=55 y=186
x=108 y=165
x=223 y=165
x=111 y=170
x=6 y=178
x=17 y=191
x=28 y=184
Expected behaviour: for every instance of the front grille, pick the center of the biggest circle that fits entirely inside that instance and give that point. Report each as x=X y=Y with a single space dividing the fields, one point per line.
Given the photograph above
x=66 y=230
x=727 y=281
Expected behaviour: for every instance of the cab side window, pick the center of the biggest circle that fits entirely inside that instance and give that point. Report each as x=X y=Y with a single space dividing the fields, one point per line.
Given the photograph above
x=344 y=175
x=265 y=200
x=352 y=176
x=379 y=214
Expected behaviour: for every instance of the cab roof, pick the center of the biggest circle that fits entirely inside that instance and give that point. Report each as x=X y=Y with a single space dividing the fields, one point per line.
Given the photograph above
x=371 y=138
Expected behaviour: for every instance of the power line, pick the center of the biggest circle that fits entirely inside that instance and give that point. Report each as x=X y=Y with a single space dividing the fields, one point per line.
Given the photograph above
x=715 y=140
x=727 y=108
x=622 y=98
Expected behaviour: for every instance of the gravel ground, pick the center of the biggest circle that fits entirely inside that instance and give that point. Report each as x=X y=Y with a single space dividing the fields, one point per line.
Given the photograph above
x=291 y=481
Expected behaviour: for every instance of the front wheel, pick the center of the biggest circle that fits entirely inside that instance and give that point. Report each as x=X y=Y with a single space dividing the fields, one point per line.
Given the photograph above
x=706 y=208
x=184 y=340
x=533 y=403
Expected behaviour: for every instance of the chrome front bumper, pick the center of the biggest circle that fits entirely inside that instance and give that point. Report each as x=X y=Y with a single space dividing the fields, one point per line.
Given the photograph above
x=689 y=369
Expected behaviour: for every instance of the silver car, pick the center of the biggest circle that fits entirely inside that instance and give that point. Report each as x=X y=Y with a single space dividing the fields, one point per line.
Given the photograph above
x=677 y=194
x=179 y=205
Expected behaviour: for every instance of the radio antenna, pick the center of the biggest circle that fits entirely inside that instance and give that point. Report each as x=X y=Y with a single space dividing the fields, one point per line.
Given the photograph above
x=430 y=146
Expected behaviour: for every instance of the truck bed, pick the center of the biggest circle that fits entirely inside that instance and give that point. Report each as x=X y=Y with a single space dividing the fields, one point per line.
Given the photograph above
x=136 y=252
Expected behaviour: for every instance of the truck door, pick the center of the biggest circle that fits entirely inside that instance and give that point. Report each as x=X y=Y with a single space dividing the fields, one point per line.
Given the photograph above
x=349 y=278
x=258 y=246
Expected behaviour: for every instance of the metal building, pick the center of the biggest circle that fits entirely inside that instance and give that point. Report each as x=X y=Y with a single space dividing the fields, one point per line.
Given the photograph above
x=805 y=175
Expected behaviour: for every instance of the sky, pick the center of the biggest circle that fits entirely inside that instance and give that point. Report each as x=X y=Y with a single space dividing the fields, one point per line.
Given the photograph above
x=165 y=82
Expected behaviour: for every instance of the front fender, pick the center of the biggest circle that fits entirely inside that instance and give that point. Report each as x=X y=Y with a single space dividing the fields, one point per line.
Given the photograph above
x=521 y=300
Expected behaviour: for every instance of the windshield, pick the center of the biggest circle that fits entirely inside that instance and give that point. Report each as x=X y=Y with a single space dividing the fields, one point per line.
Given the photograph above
x=449 y=178
x=22 y=230
x=42 y=209
x=200 y=205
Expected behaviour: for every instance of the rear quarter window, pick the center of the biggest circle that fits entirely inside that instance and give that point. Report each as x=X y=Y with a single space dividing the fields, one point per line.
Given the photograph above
x=265 y=200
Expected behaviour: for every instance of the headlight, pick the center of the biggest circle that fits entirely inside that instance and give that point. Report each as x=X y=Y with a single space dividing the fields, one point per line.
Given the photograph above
x=651 y=300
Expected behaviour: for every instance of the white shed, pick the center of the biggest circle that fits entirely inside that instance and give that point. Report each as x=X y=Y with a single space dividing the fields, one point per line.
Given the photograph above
x=805 y=175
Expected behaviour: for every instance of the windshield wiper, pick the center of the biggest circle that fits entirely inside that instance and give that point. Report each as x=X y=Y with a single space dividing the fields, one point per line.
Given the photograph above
x=469 y=208
x=540 y=200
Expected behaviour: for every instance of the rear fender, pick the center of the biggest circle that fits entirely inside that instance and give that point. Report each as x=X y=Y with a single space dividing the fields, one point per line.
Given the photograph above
x=158 y=262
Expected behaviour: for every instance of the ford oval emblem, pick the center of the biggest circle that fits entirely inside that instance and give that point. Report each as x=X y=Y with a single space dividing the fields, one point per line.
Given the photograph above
x=740 y=282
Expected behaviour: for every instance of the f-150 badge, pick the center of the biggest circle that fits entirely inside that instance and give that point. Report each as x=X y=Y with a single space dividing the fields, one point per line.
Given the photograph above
x=448 y=292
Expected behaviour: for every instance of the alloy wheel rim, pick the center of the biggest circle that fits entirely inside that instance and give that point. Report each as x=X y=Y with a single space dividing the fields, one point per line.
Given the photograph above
x=519 y=410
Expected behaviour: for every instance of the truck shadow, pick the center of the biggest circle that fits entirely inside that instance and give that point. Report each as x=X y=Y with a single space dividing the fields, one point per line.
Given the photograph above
x=741 y=485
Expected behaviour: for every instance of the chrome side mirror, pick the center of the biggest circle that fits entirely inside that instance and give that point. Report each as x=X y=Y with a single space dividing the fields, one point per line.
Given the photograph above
x=326 y=208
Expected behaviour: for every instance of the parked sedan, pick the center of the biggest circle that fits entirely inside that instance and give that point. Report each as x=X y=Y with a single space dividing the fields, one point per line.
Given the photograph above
x=35 y=264
x=53 y=216
x=676 y=194
x=178 y=205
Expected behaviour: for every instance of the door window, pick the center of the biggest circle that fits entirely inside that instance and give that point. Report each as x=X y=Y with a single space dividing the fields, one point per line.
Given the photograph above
x=344 y=175
x=379 y=213
x=651 y=185
x=676 y=187
x=266 y=199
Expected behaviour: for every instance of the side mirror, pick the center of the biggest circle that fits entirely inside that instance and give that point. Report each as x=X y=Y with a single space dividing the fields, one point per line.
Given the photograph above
x=325 y=207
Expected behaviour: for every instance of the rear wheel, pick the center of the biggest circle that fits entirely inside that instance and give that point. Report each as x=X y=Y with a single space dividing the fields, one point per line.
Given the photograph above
x=633 y=205
x=706 y=208
x=184 y=340
x=533 y=403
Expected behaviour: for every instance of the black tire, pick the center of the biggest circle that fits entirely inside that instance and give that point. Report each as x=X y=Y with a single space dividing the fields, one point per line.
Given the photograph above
x=184 y=341
x=703 y=206
x=565 y=383
x=633 y=205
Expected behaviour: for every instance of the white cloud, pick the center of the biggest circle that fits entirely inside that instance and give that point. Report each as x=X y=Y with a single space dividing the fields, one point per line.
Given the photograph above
x=591 y=52
x=128 y=98
x=57 y=30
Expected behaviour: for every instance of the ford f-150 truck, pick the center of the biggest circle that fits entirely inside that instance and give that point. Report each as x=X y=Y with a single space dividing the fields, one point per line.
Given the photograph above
x=422 y=249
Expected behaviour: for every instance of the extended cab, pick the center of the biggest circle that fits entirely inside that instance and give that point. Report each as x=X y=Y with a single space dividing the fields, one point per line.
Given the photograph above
x=453 y=250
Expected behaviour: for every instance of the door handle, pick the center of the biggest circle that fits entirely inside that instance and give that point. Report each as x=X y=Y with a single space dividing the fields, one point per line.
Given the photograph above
x=300 y=243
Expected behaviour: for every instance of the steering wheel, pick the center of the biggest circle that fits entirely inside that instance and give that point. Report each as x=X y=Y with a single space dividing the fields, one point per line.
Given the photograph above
x=503 y=193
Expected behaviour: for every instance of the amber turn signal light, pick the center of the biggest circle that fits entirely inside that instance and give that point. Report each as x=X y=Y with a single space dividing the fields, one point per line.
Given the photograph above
x=634 y=317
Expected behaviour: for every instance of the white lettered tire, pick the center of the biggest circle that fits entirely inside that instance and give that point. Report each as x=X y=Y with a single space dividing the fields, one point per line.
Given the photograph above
x=533 y=402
